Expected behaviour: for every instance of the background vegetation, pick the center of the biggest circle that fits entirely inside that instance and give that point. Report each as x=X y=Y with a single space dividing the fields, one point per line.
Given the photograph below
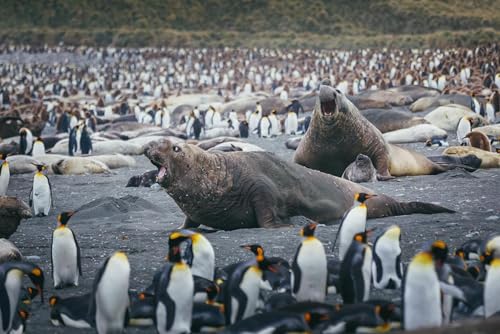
x=275 y=23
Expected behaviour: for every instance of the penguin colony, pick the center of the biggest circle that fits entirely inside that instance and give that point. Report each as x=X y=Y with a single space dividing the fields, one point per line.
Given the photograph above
x=262 y=294
x=189 y=294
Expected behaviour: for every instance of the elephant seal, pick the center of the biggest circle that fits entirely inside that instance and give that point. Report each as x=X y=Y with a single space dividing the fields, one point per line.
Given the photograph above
x=417 y=133
x=114 y=161
x=209 y=143
x=391 y=120
x=488 y=159
x=360 y=170
x=79 y=166
x=146 y=179
x=257 y=189
x=293 y=143
x=447 y=117
x=236 y=146
x=338 y=133
x=12 y=210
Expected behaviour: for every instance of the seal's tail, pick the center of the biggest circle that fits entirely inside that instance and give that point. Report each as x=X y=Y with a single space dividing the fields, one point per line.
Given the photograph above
x=390 y=207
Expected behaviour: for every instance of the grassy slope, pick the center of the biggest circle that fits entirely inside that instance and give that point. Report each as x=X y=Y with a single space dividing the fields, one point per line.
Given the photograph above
x=318 y=23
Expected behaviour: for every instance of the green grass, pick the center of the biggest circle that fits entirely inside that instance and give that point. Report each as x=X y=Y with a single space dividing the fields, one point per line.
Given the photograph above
x=272 y=23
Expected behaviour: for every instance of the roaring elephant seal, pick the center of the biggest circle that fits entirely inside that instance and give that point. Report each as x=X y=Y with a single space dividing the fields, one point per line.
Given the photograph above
x=257 y=189
x=338 y=133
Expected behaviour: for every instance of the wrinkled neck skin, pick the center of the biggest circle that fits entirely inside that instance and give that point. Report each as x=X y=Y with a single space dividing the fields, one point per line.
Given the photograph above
x=204 y=178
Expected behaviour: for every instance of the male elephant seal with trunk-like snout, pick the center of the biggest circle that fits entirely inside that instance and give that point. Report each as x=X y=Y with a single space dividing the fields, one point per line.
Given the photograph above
x=338 y=133
x=257 y=189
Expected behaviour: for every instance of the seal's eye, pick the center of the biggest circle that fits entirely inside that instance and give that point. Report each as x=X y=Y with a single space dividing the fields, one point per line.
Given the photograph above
x=177 y=149
x=338 y=91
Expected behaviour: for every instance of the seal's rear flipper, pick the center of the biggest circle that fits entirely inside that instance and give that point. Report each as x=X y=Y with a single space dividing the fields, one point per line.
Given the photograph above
x=469 y=162
x=387 y=206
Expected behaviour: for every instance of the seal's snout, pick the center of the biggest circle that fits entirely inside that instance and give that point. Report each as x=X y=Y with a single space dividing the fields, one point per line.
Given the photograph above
x=328 y=100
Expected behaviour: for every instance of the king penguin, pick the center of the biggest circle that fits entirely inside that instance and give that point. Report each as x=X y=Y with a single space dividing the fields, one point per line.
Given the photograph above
x=421 y=294
x=174 y=291
x=241 y=291
x=291 y=123
x=243 y=127
x=492 y=289
x=41 y=193
x=463 y=128
x=354 y=221
x=66 y=263
x=309 y=268
x=355 y=270
x=110 y=299
x=275 y=124
x=11 y=275
x=38 y=148
x=387 y=268
x=71 y=311
x=265 y=127
x=4 y=174
x=199 y=255
x=85 y=140
x=25 y=141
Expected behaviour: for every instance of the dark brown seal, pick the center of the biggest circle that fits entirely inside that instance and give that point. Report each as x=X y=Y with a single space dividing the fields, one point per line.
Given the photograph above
x=391 y=120
x=338 y=133
x=257 y=189
x=12 y=210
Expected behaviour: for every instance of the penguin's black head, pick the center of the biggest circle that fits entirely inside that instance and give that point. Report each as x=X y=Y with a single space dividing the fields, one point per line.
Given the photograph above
x=23 y=314
x=362 y=197
x=175 y=240
x=35 y=274
x=489 y=250
x=362 y=237
x=40 y=168
x=308 y=230
x=313 y=319
x=23 y=132
x=256 y=249
x=63 y=218
x=439 y=251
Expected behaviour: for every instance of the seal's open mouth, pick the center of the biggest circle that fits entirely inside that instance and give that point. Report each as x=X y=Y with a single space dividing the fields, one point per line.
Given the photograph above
x=328 y=107
x=162 y=172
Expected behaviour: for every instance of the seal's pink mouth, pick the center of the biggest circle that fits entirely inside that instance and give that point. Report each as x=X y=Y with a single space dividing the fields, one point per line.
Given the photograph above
x=328 y=108
x=161 y=174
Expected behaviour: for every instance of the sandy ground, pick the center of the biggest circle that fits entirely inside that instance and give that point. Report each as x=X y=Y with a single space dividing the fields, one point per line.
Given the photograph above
x=143 y=233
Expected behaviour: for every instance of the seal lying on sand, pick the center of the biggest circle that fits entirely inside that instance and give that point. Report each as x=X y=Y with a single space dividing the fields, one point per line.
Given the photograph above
x=338 y=133
x=360 y=170
x=257 y=189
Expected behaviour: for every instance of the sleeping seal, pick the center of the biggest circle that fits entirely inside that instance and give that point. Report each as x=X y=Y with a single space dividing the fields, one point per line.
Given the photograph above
x=338 y=133
x=257 y=189
x=488 y=159
x=78 y=166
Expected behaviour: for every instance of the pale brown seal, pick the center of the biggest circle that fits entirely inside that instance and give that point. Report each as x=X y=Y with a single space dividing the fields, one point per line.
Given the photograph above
x=338 y=133
x=257 y=189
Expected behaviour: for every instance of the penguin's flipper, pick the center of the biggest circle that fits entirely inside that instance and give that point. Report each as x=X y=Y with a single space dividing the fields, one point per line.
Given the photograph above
x=296 y=272
x=31 y=196
x=97 y=279
x=340 y=228
x=378 y=266
x=4 y=306
x=78 y=254
x=399 y=266
x=51 y=197
x=161 y=295
x=357 y=278
x=242 y=305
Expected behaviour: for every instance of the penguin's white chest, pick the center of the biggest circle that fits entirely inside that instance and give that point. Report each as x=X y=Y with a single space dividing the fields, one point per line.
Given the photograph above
x=492 y=291
x=13 y=287
x=180 y=290
x=249 y=284
x=4 y=178
x=312 y=264
x=203 y=260
x=41 y=194
x=265 y=127
x=354 y=222
x=112 y=296
x=291 y=124
x=38 y=149
x=422 y=299
x=387 y=251
x=64 y=257
x=275 y=129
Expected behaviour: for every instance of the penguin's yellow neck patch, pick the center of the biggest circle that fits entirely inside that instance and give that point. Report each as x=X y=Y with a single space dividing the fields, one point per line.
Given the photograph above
x=423 y=258
x=120 y=256
x=195 y=237
x=495 y=263
x=180 y=266
x=309 y=239
x=39 y=174
x=5 y=163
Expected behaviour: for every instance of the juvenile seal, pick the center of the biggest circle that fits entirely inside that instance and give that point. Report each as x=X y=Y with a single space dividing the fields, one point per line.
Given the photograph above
x=338 y=133
x=479 y=140
x=360 y=170
x=257 y=189
x=78 y=166
x=417 y=133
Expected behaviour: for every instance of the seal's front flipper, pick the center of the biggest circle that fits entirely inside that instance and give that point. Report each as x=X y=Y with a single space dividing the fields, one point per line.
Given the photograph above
x=385 y=177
